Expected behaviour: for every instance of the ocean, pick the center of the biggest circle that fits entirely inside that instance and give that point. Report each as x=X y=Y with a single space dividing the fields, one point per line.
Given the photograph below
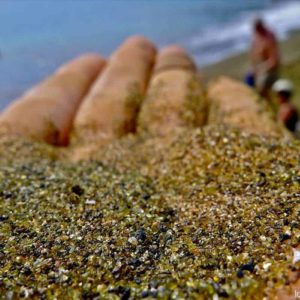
x=36 y=36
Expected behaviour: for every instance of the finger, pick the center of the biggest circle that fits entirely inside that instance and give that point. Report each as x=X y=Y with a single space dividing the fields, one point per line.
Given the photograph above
x=235 y=104
x=109 y=110
x=175 y=97
x=46 y=111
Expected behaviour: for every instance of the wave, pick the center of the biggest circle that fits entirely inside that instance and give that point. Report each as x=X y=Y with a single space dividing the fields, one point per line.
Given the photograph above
x=216 y=43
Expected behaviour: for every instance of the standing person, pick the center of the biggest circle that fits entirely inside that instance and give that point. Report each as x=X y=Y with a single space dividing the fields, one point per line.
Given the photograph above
x=264 y=55
x=287 y=113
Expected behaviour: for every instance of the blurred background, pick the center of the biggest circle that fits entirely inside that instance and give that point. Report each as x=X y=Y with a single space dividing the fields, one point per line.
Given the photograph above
x=36 y=36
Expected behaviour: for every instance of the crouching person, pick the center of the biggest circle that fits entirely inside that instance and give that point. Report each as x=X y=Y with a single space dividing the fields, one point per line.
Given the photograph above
x=287 y=112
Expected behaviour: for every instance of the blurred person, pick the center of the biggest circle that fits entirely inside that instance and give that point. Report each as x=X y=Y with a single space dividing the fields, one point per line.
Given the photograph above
x=265 y=60
x=287 y=113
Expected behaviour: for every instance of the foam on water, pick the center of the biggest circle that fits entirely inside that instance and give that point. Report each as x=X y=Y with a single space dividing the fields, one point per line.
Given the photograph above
x=214 y=44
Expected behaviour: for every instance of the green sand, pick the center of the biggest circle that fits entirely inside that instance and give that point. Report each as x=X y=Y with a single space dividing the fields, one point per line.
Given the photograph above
x=204 y=213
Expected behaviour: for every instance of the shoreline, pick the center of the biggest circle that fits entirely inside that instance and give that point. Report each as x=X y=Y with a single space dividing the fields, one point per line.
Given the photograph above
x=236 y=65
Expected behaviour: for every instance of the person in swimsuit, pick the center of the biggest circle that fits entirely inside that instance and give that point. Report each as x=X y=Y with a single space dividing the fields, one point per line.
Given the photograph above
x=265 y=59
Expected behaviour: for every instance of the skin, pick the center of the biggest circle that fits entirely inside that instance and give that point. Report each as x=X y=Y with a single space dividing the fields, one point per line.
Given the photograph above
x=235 y=104
x=264 y=54
x=286 y=109
x=46 y=112
x=110 y=108
x=170 y=94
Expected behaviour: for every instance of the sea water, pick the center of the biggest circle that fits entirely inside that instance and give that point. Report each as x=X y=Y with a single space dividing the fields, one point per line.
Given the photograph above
x=36 y=36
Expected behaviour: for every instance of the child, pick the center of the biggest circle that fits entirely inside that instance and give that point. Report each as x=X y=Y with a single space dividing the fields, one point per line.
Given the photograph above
x=287 y=112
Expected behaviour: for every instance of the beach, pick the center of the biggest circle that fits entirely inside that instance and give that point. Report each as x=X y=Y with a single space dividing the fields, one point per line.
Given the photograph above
x=236 y=66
